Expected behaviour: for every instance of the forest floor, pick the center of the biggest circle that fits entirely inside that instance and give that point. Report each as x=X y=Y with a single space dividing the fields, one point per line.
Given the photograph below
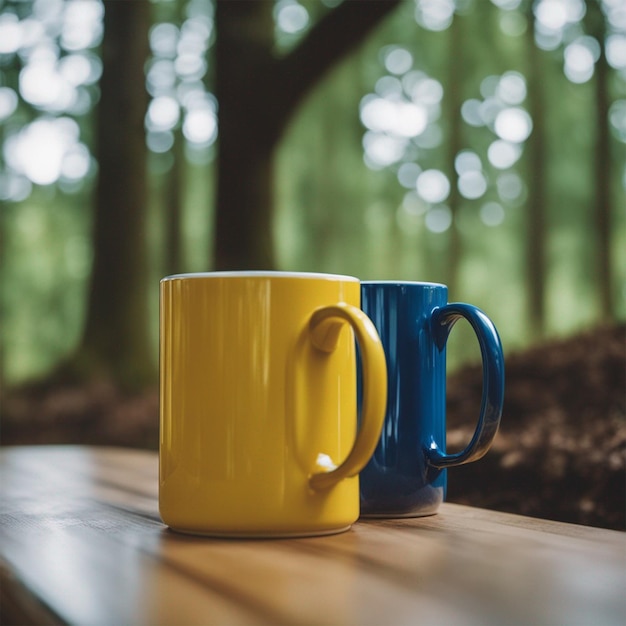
x=560 y=452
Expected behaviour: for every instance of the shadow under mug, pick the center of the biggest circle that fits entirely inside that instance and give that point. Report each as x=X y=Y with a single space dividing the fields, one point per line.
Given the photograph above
x=406 y=477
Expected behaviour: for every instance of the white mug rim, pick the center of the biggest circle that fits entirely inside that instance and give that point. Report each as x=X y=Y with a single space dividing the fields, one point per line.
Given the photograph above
x=261 y=274
x=403 y=283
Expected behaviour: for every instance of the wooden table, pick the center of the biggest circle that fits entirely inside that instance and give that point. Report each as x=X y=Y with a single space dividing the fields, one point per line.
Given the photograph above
x=81 y=542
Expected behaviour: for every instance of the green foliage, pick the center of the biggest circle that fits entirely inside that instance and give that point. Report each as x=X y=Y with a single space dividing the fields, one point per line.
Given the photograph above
x=335 y=214
x=45 y=266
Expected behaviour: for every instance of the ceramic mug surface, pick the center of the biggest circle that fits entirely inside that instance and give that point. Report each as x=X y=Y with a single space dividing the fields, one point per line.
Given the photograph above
x=258 y=417
x=407 y=474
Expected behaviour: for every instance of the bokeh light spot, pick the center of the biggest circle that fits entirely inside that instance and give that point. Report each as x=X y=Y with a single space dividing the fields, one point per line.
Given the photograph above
x=579 y=61
x=472 y=185
x=413 y=204
x=382 y=150
x=388 y=87
x=8 y=102
x=434 y=15
x=38 y=150
x=392 y=116
x=616 y=50
x=82 y=24
x=489 y=110
x=433 y=186
x=513 y=124
x=160 y=141
x=291 y=16
x=398 y=61
x=10 y=33
x=408 y=173
x=511 y=88
x=617 y=118
x=427 y=91
x=200 y=126
x=164 y=39
x=438 y=219
x=80 y=69
x=551 y=14
x=14 y=187
x=492 y=214
x=503 y=154
x=163 y=113
x=161 y=77
x=467 y=161
x=513 y=23
x=76 y=163
x=44 y=87
x=470 y=111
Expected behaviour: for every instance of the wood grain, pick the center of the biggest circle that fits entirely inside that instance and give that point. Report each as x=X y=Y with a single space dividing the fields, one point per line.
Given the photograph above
x=81 y=542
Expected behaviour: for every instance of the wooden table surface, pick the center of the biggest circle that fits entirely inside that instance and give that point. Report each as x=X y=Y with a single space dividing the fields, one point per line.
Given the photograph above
x=81 y=542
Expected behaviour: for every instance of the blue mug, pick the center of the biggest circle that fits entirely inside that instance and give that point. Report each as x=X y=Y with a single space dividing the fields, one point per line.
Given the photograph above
x=406 y=477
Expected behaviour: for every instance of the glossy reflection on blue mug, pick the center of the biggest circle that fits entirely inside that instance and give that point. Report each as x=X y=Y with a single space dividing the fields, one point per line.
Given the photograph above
x=406 y=477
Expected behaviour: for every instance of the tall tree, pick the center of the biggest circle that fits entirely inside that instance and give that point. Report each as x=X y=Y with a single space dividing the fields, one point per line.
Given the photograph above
x=258 y=94
x=536 y=206
x=115 y=342
x=595 y=23
x=452 y=103
x=173 y=186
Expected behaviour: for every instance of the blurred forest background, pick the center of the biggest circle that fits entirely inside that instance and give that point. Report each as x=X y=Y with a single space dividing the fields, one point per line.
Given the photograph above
x=479 y=143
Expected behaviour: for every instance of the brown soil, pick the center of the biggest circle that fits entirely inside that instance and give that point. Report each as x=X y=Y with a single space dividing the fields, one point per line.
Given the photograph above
x=560 y=453
x=561 y=449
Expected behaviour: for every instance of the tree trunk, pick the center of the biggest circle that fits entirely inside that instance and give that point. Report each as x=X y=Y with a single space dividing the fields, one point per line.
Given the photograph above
x=174 y=184
x=602 y=209
x=245 y=35
x=173 y=208
x=602 y=182
x=452 y=102
x=115 y=343
x=536 y=205
x=258 y=95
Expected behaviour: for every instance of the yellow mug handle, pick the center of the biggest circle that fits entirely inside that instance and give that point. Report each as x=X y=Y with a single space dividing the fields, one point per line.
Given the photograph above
x=324 y=328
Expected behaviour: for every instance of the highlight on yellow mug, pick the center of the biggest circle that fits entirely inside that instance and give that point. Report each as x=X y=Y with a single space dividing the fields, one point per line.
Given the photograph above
x=258 y=416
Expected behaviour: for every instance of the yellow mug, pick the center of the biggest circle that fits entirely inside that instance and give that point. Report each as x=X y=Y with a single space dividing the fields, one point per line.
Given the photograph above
x=258 y=424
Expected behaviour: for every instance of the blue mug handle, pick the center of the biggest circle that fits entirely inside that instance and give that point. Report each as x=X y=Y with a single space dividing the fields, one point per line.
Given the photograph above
x=442 y=321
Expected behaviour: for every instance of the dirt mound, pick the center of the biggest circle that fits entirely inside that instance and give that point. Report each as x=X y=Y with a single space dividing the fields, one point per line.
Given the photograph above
x=97 y=413
x=561 y=449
